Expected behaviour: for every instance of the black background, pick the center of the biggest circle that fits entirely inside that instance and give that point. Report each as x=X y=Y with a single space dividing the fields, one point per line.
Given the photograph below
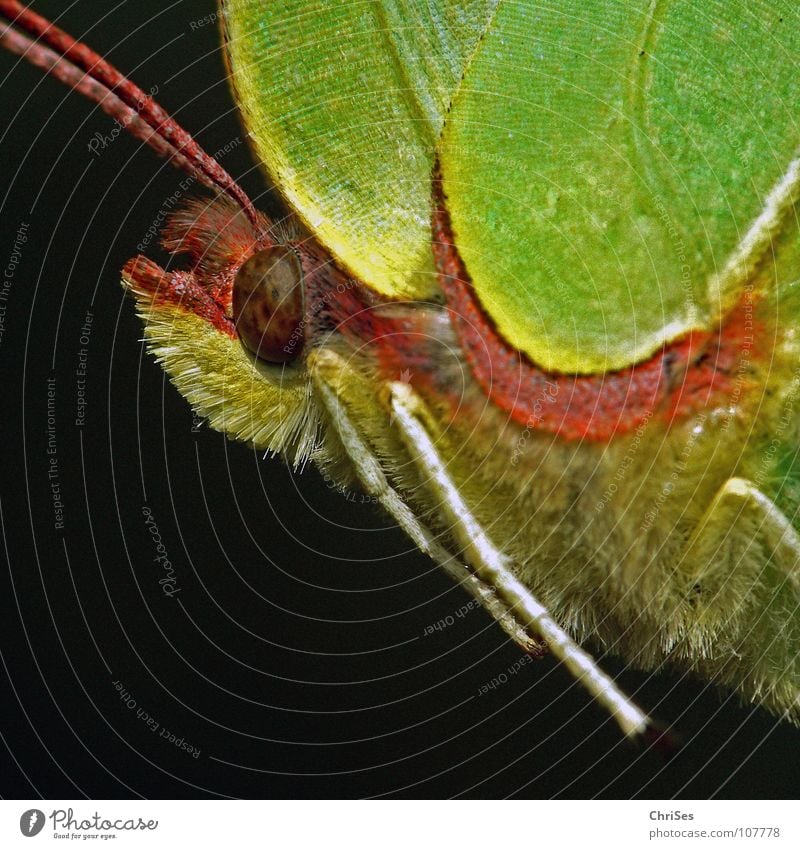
x=294 y=655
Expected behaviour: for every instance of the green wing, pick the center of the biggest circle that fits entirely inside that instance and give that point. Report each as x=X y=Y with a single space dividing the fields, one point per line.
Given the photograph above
x=345 y=103
x=604 y=160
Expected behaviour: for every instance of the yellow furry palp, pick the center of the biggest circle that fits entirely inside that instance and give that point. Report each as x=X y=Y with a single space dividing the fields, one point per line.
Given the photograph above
x=270 y=407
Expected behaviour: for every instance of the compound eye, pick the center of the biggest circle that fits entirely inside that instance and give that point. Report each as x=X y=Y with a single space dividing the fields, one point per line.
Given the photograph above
x=268 y=304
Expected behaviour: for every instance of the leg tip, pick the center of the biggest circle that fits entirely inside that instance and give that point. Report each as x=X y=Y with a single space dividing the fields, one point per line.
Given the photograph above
x=659 y=739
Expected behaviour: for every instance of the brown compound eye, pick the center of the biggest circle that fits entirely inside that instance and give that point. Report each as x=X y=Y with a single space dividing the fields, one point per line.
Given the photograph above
x=268 y=304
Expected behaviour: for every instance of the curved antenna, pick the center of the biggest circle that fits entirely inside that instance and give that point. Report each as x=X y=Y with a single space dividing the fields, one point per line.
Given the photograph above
x=43 y=44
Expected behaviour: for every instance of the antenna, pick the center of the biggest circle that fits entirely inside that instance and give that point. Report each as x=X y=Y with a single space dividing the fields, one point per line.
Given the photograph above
x=44 y=45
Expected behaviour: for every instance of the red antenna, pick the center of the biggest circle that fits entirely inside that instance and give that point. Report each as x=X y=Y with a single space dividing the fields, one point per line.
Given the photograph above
x=43 y=44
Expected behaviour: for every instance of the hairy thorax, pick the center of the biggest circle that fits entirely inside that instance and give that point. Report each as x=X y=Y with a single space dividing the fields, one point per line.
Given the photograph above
x=599 y=523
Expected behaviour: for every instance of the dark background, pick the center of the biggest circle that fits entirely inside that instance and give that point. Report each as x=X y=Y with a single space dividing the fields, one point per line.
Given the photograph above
x=294 y=655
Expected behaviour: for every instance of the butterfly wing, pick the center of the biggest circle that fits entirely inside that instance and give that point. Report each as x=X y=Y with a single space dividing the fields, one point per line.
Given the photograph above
x=345 y=104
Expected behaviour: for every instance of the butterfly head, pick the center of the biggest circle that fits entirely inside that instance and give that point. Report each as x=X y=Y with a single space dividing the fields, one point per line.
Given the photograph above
x=240 y=276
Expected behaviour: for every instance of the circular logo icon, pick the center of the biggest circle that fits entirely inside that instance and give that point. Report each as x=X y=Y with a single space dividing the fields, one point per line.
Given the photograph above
x=31 y=822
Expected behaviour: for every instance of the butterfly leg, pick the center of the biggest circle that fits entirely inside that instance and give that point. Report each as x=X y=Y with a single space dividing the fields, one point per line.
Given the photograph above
x=495 y=568
x=742 y=563
x=375 y=483
x=739 y=500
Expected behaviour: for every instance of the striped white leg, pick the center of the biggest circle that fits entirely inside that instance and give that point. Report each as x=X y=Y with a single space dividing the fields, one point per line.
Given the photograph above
x=495 y=568
x=375 y=484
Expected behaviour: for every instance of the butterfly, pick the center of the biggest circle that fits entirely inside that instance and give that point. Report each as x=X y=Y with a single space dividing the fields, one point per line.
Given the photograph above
x=536 y=300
